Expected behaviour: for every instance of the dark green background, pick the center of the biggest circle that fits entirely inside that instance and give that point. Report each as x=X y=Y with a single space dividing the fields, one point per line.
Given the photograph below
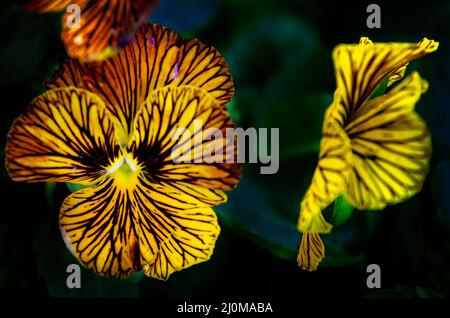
x=279 y=53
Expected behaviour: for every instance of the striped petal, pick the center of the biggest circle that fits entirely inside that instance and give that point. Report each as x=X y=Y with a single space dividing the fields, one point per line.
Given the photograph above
x=105 y=26
x=191 y=230
x=391 y=147
x=157 y=58
x=44 y=6
x=64 y=135
x=70 y=73
x=329 y=179
x=328 y=182
x=118 y=228
x=312 y=251
x=195 y=163
x=360 y=68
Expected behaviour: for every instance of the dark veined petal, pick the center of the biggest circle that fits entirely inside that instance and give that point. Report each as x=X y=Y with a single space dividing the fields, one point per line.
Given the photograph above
x=162 y=155
x=51 y=5
x=105 y=26
x=361 y=67
x=125 y=225
x=69 y=73
x=64 y=135
x=328 y=182
x=312 y=251
x=391 y=148
x=192 y=225
x=329 y=179
x=157 y=58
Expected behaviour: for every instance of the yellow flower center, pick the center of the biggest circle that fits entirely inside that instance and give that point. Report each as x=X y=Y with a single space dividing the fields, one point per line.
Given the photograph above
x=125 y=171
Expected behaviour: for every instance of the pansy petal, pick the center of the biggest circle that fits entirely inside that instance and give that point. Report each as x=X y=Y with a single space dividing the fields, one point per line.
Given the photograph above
x=118 y=228
x=311 y=253
x=328 y=180
x=51 y=5
x=187 y=157
x=64 y=135
x=391 y=148
x=157 y=58
x=101 y=227
x=361 y=67
x=200 y=65
x=191 y=226
x=69 y=73
x=104 y=27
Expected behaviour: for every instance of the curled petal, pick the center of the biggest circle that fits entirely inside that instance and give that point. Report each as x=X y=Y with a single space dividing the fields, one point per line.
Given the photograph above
x=361 y=67
x=329 y=179
x=328 y=182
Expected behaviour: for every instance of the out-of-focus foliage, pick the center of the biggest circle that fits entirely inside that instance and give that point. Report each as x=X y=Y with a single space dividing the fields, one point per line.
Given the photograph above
x=279 y=53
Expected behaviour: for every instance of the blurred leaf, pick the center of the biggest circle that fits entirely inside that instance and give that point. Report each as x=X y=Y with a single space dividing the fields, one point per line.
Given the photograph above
x=49 y=192
x=22 y=53
x=74 y=187
x=251 y=210
x=300 y=124
x=184 y=16
x=279 y=94
x=342 y=211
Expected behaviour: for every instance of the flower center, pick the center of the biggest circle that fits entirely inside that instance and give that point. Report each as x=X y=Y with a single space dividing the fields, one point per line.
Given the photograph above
x=125 y=170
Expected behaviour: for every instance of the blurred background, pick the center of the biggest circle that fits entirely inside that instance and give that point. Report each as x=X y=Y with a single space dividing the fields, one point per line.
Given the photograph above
x=279 y=53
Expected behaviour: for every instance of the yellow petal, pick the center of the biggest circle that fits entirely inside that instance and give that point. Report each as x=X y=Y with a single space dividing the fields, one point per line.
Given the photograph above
x=195 y=112
x=156 y=58
x=105 y=26
x=328 y=181
x=311 y=253
x=64 y=135
x=69 y=73
x=391 y=148
x=361 y=67
x=193 y=231
x=52 y=5
x=118 y=228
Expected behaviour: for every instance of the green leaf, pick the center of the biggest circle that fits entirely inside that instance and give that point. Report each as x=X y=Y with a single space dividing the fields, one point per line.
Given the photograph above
x=49 y=192
x=342 y=211
x=282 y=94
x=74 y=187
x=256 y=210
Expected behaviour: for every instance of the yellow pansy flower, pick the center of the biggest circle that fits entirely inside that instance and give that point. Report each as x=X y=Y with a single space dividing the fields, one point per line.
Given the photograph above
x=375 y=150
x=110 y=126
x=104 y=26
